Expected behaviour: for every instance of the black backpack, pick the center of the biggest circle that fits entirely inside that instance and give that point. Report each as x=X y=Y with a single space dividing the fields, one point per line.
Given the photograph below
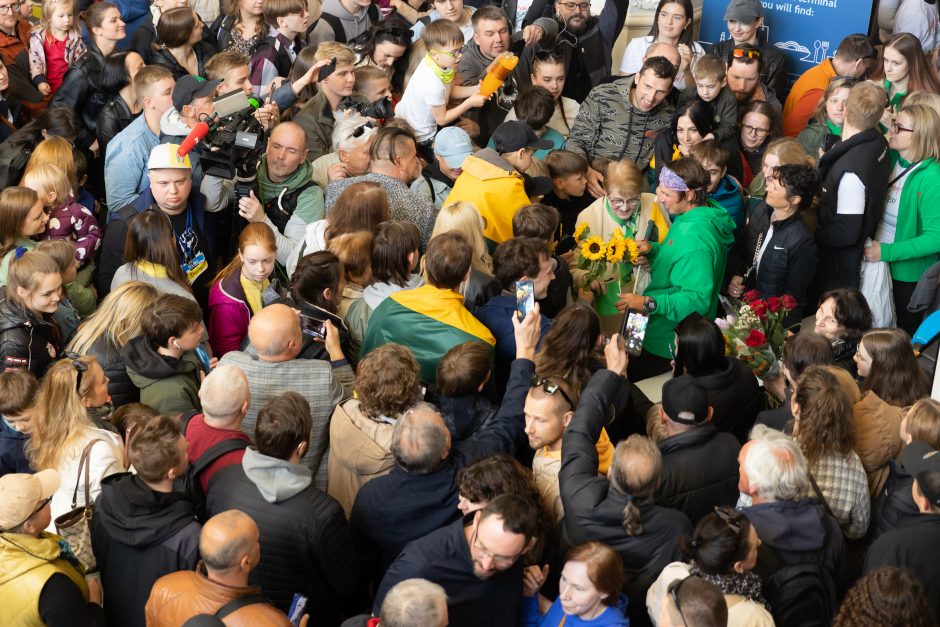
x=211 y=620
x=188 y=483
x=801 y=594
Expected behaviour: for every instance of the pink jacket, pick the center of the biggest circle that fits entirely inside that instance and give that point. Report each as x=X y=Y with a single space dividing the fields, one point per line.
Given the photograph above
x=74 y=48
x=229 y=315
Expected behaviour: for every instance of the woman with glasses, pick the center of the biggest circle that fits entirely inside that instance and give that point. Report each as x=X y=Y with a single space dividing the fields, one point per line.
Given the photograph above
x=888 y=367
x=825 y=126
x=625 y=208
x=842 y=318
x=722 y=550
x=758 y=122
x=672 y=24
x=907 y=240
x=775 y=254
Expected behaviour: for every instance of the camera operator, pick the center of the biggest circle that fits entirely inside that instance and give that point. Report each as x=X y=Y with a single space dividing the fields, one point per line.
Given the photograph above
x=285 y=198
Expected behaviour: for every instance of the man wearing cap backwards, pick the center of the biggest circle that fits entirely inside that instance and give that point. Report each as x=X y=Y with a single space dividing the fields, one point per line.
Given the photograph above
x=744 y=18
x=452 y=146
x=686 y=270
x=700 y=465
x=39 y=583
x=492 y=179
x=193 y=103
x=915 y=543
x=170 y=191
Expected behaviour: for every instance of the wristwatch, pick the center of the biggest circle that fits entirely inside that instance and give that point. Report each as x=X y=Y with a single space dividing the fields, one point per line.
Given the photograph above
x=650 y=305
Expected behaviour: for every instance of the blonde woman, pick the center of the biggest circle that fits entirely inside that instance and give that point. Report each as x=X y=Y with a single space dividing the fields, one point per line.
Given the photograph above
x=61 y=429
x=464 y=218
x=104 y=334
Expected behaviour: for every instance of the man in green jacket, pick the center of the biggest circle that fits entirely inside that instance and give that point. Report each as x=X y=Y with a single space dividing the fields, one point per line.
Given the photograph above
x=686 y=269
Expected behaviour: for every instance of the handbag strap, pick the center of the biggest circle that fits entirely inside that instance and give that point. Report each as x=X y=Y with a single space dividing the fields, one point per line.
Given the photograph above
x=84 y=463
x=819 y=494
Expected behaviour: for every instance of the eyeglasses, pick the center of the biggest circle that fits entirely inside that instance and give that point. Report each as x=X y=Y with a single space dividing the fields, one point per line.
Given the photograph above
x=359 y=131
x=754 y=130
x=79 y=365
x=499 y=560
x=673 y=590
x=745 y=53
x=549 y=387
x=897 y=128
x=849 y=80
x=571 y=6
x=10 y=8
x=619 y=203
x=456 y=52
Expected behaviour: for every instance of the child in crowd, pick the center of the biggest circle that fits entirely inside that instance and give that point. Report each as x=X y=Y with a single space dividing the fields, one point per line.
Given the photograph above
x=424 y=103
x=55 y=45
x=723 y=188
x=66 y=316
x=462 y=374
x=373 y=83
x=711 y=86
x=568 y=171
x=17 y=393
x=535 y=106
x=541 y=222
x=69 y=220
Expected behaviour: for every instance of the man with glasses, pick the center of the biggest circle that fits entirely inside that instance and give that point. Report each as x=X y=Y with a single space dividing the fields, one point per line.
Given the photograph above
x=744 y=79
x=477 y=564
x=14 y=53
x=855 y=57
x=745 y=18
x=41 y=586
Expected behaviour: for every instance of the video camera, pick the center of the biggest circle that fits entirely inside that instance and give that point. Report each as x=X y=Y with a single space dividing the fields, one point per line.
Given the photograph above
x=234 y=142
x=379 y=109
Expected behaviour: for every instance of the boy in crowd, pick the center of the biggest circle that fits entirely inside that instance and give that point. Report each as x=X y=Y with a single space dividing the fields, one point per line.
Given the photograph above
x=711 y=86
x=373 y=83
x=17 y=393
x=424 y=103
x=461 y=376
x=452 y=146
x=540 y=221
x=568 y=171
x=274 y=56
x=535 y=106
x=723 y=188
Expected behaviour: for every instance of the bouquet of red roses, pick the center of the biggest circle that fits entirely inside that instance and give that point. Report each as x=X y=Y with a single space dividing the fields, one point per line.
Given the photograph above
x=756 y=331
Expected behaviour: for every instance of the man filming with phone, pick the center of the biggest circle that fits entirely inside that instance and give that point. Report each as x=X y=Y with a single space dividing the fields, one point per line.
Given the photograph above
x=685 y=270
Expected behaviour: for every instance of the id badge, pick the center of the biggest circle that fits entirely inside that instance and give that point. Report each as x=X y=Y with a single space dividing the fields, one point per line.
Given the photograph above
x=195 y=267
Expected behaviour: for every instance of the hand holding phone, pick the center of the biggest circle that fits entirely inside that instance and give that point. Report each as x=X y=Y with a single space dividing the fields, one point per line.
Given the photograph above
x=525 y=298
x=312 y=327
x=326 y=70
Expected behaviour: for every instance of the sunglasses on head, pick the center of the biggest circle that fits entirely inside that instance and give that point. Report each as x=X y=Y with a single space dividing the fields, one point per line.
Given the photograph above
x=79 y=365
x=745 y=53
x=549 y=387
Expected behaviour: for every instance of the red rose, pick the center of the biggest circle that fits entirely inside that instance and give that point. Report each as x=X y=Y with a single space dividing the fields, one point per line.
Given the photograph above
x=755 y=339
x=773 y=304
x=759 y=307
x=750 y=296
x=788 y=302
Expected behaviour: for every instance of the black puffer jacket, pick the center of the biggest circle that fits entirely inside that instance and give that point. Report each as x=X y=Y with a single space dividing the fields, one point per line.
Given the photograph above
x=120 y=387
x=27 y=340
x=161 y=56
x=700 y=471
x=735 y=397
x=80 y=91
x=113 y=118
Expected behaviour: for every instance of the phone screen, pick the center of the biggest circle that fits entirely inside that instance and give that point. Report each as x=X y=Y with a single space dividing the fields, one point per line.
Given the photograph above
x=312 y=327
x=634 y=330
x=326 y=70
x=525 y=298
x=297 y=606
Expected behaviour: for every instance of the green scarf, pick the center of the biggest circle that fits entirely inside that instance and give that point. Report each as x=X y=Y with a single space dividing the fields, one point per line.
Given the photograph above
x=834 y=128
x=446 y=76
x=897 y=99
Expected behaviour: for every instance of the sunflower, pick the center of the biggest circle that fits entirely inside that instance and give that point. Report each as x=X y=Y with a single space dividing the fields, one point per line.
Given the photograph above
x=615 y=249
x=593 y=249
x=616 y=236
x=583 y=229
x=633 y=251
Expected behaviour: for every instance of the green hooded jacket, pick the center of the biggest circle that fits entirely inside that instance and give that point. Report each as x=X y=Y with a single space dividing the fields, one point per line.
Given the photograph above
x=916 y=244
x=169 y=386
x=310 y=202
x=686 y=272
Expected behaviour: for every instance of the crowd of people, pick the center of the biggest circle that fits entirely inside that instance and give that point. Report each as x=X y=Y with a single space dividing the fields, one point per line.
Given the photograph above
x=300 y=322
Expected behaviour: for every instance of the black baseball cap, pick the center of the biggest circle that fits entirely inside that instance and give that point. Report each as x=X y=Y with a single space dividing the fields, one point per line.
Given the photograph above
x=190 y=87
x=514 y=135
x=924 y=465
x=536 y=185
x=685 y=401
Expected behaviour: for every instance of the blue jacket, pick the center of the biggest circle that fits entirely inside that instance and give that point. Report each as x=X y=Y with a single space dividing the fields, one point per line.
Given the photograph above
x=125 y=164
x=497 y=315
x=728 y=195
x=611 y=617
x=12 y=457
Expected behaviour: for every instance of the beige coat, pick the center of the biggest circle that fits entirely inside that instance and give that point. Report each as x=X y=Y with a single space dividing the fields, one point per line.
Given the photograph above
x=877 y=438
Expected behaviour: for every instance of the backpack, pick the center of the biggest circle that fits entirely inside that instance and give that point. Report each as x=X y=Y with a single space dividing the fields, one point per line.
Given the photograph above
x=335 y=23
x=282 y=61
x=210 y=620
x=801 y=594
x=188 y=483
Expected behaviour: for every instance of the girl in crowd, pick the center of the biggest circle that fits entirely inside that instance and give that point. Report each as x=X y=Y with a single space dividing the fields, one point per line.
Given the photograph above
x=463 y=217
x=354 y=251
x=238 y=291
x=889 y=367
x=758 y=122
x=80 y=89
x=55 y=45
x=30 y=338
x=568 y=349
x=151 y=255
x=589 y=591
x=105 y=333
x=722 y=550
x=905 y=68
x=781 y=151
x=22 y=219
x=825 y=127
x=775 y=254
x=824 y=427
x=182 y=50
x=672 y=24
x=117 y=82
x=69 y=220
x=385 y=46
x=395 y=258
x=548 y=71
x=144 y=40
x=454 y=10
x=908 y=237
x=691 y=122
x=62 y=430
x=316 y=289
x=241 y=28
x=842 y=318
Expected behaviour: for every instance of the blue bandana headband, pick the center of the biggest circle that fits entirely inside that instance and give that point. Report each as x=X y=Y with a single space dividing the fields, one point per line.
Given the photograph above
x=672 y=181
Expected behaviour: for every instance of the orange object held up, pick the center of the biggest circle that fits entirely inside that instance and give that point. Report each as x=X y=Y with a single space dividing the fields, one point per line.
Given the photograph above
x=506 y=63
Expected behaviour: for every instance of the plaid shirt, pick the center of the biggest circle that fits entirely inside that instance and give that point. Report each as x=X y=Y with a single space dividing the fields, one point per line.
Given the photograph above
x=842 y=480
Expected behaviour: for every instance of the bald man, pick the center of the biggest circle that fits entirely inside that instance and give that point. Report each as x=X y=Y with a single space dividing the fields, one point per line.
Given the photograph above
x=276 y=340
x=230 y=549
x=663 y=49
x=286 y=199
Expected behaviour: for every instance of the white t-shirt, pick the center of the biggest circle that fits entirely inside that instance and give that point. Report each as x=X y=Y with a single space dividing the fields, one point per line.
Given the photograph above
x=889 y=220
x=632 y=59
x=424 y=90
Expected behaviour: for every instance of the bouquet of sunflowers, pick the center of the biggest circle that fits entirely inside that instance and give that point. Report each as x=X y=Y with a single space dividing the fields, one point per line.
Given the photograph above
x=756 y=334
x=596 y=256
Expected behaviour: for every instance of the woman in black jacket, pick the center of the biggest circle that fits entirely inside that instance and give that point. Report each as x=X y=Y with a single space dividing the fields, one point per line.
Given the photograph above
x=105 y=332
x=16 y=150
x=116 y=77
x=29 y=338
x=145 y=39
x=182 y=50
x=775 y=253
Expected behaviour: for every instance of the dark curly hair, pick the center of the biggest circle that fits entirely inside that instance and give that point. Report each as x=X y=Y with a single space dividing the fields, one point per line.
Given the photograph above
x=388 y=381
x=826 y=422
x=490 y=476
x=851 y=310
x=886 y=596
x=800 y=180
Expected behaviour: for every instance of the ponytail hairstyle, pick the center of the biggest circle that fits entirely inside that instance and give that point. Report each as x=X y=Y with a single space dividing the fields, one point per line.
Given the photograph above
x=719 y=540
x=15 y=203
x=826 y=424
x=150 y=238
x=27 y=272
x=93 y=16
x=315 y=273
x=59 y=416
x=635 y=472
x=255 y=234
x=895 y=375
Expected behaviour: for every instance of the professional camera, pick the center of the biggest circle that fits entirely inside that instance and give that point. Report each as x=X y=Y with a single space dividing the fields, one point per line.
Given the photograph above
x=380 y=109
x=235 y=142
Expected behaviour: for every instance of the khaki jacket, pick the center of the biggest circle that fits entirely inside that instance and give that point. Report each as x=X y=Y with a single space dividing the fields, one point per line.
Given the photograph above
x=877 y=438
x=360 y=450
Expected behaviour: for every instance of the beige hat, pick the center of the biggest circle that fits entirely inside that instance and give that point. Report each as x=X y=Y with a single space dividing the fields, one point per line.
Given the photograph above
x=165 y=157
x=21 y=495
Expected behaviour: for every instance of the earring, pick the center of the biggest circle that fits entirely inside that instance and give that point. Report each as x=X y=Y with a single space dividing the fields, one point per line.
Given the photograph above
x=176 y=345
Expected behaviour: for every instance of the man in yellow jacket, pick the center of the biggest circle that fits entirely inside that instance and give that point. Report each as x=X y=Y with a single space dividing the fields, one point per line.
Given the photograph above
x=492 y=179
